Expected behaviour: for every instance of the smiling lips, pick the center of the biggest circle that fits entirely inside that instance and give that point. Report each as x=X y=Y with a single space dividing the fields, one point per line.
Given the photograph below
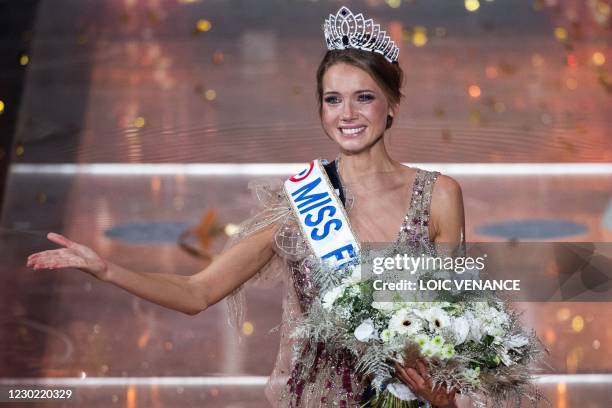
x=350 y=131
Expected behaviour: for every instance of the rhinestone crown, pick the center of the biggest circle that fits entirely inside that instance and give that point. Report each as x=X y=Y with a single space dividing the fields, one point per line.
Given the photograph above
x=347 y=30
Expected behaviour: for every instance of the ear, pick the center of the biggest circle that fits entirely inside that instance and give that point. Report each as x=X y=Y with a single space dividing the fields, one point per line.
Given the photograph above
x=392 y=110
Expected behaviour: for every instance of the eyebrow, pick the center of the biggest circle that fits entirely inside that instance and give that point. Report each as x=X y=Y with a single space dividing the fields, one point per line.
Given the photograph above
x=356 y=92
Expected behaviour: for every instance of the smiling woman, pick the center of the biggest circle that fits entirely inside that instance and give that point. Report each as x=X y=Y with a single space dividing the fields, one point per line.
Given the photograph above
x=374 y=199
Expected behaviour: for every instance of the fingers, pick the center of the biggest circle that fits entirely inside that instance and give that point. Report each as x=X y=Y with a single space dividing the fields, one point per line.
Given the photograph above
x=57 y=258
x=401 y=373
x=59 y=239
x=422 y=370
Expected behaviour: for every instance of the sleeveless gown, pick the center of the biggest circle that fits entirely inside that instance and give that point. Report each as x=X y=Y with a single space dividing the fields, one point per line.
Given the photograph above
x=329 y=380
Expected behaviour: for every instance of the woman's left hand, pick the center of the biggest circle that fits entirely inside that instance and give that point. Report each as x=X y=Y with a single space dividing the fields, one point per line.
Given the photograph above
x=419 y=382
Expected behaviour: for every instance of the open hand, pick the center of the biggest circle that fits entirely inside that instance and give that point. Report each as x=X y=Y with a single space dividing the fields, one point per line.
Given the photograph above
x=419 y=382
x=73 y=255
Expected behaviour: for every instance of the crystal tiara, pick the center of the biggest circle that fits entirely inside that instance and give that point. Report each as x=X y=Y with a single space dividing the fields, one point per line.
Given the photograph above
x=347 y=30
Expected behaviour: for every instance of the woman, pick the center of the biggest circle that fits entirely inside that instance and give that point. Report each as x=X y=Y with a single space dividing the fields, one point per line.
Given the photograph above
x=358 y=87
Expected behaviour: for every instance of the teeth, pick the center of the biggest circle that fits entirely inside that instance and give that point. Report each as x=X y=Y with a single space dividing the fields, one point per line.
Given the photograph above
x=347 y=131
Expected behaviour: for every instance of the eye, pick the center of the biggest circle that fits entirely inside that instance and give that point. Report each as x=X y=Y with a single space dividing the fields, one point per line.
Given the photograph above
x=365 y=97
x=332 y=100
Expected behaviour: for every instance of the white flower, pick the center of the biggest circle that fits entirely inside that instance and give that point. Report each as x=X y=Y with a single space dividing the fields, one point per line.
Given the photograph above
x=355 y=274
x=447 y=351
x=437 y=318
x=386 y=335
x=405 y=322
x=331 y=296
x=472 y=375
x=383 y=306
x=366 y=331
x=475 y=327
x=460 y=328
x=401 y=391
x=515 y=341
x=505 y=358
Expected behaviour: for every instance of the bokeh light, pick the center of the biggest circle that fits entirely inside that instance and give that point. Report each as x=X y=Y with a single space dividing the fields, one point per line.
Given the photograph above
x=474 y=91
x=210 y=94
x=203 y=26
x=560 y=33
x=472 y=5
x=598 y=58
x=247 y=328
x=577 y=323
x=419 y=36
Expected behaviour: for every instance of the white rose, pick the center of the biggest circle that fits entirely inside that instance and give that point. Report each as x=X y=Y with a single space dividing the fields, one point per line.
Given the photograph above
x=475 y=327
x=516 y=341
x=366 y=331
x=460 y=328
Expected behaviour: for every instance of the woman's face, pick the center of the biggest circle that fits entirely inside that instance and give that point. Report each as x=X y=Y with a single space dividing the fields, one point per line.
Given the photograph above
x=354 y=108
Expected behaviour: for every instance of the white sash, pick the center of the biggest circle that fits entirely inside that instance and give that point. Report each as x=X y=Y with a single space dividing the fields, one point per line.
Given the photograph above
x=322 y=218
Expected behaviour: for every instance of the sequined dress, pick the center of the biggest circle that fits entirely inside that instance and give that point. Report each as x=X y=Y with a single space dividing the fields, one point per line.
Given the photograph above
x=328 y=377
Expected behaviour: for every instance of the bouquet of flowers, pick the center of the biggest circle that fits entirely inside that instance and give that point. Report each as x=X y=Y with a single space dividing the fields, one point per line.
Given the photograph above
x=472 y=343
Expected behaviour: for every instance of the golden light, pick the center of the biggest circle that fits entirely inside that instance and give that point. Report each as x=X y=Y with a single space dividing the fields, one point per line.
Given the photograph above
x=571 y=84
x=139 y=122
x=550 y=336
x=210 y=94
x=19 y=149
x=561 y=395
x=143 y=339
x=577 y=324
x=563 y=314
x=1 y=107
x=203 y=25
x=573 y=358
x=472 y=5
x=419 y=36
x=156 y=184
x=247 y=328
x=491 y=72
x=474 y=91
x=499 y=107
x=598 y=58
x=596 y=344
x=560 y=33
x=537 y=60
x=24 y=60
x=231 y=229
x=394 y=3
x=131 y=397
x=603 y=8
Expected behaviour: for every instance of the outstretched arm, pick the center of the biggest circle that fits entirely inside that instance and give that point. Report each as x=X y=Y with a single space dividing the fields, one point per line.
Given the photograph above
x=187 y=294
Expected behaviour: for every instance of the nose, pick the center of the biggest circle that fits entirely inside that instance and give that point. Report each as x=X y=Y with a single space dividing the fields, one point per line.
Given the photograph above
x=348 y=111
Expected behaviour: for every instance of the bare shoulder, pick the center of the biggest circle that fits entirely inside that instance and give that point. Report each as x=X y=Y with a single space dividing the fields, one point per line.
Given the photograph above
x=445 y=188
x=446 y=212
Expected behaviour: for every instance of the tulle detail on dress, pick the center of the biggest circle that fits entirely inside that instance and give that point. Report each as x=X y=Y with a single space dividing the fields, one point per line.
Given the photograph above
x=383 y=207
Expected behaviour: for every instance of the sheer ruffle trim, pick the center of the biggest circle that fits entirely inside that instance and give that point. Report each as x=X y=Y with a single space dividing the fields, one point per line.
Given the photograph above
x=272 y=208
